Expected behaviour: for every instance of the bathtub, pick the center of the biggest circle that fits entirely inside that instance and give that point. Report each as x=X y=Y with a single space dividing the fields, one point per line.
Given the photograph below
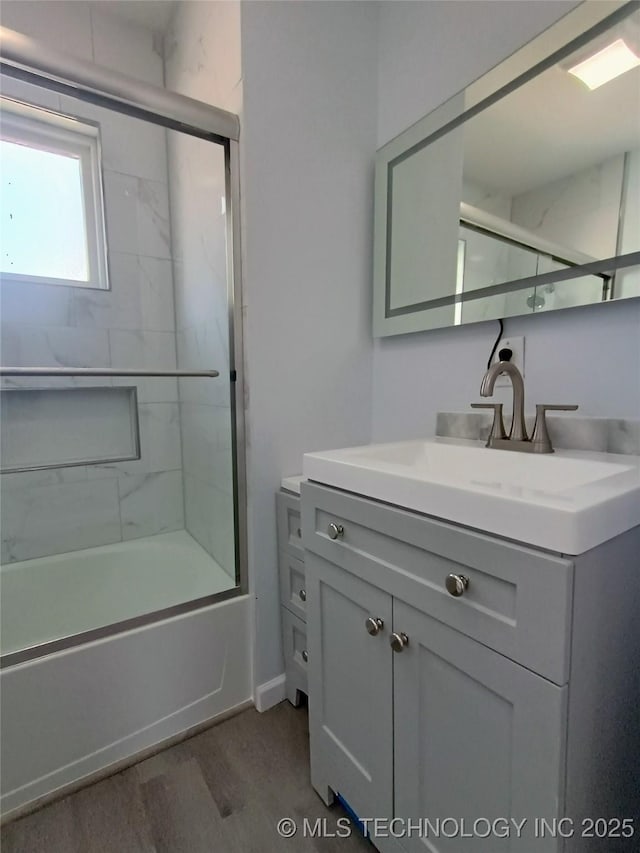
x=79 y=711
x=50 y=598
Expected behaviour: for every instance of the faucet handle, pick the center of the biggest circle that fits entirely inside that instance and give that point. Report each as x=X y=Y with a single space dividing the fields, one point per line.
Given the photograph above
x=540 y=438
x=497 y=427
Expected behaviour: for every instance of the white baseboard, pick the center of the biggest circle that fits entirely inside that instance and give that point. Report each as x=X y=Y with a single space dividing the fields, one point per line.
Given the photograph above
x=271 y=693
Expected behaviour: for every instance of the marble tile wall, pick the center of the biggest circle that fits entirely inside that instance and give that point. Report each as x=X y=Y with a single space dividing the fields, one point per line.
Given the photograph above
x=131 y=325
x=489 y=261
x=580 y=211
x=628 y=281
x=197 y=193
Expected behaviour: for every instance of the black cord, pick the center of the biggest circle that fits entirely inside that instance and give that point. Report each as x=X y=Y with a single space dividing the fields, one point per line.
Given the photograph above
x=495 y=346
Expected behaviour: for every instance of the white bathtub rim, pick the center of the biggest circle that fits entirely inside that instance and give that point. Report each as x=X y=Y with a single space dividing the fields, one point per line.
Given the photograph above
x=155 y=733
x=193 y=606
x=98 y=636
x=162 y=553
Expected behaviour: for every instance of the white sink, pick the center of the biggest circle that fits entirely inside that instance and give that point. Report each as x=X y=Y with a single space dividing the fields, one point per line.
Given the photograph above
x=568 y=501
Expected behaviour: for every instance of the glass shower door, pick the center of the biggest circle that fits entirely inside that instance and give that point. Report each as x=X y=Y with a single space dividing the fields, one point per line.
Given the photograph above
x=119 y=480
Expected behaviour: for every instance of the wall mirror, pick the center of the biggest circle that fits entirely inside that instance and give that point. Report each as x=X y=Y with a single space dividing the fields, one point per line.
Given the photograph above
x=521 y=194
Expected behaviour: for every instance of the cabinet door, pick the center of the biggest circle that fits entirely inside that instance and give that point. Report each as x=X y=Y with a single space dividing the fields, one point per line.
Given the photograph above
x=477 y=737
x=350 y=689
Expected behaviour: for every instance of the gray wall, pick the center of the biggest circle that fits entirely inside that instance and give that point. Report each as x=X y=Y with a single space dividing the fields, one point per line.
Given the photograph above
x=309 y=72
x=590 y=356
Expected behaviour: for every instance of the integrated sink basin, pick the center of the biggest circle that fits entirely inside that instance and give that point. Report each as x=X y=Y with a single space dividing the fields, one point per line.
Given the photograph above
x=569 y=501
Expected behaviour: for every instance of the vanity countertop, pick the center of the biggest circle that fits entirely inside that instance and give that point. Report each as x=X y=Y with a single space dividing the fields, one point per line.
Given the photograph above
x=569 y=501
x=292 y=484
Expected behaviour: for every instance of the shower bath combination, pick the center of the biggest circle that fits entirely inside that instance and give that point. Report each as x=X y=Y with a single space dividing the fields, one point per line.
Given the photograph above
x=124 y=605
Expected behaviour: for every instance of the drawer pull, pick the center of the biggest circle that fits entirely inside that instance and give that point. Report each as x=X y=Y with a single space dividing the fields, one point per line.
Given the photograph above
x=374 y=625
x=398 y=641
x=303 y=595
x=456 y=584
x=335 y=531
x=299 y=533
x=305 y=655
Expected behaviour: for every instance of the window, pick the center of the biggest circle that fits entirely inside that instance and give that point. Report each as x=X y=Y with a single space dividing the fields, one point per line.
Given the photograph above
x=51 y=206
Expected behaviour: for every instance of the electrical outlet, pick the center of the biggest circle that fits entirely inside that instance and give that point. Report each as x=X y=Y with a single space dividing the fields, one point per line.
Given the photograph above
x=516 y=345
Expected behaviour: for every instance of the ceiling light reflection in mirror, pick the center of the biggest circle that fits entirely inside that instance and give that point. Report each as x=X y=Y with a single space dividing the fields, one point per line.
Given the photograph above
x=552 y=176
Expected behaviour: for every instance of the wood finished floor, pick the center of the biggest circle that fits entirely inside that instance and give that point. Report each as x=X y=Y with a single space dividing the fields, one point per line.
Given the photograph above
x=222 y=791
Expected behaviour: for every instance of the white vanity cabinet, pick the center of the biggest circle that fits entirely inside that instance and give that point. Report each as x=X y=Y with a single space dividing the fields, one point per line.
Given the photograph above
x=476 y=722
x=488 y=705
x=293 y=595
x=350 y=689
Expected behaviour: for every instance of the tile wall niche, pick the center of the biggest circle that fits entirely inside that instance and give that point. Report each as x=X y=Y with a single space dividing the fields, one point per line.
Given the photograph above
x=132 y=325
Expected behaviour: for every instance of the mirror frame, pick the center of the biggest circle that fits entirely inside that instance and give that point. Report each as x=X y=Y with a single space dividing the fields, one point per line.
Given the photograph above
x=574 y=29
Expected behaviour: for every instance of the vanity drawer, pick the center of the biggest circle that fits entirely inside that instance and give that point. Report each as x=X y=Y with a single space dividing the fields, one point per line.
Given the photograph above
x=289 y=525
x=518 y=600
x=294 y=646
x=292 y=584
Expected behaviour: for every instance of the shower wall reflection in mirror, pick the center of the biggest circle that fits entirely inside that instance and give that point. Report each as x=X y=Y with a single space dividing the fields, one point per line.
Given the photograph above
x=114 y=505
x=545 y=179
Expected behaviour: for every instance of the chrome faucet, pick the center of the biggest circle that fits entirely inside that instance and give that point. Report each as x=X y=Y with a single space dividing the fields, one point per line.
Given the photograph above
x=518 y=431
x=517 y=438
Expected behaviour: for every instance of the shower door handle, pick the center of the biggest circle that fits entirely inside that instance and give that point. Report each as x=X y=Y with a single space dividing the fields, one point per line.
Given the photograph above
x=104 y=371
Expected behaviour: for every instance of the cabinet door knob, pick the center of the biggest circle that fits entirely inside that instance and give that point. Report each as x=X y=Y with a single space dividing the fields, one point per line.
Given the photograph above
x=374 y=625
x=335 y=531
x=398 y=641
x=305 y=655
x=303 y=594
x=456 y=584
